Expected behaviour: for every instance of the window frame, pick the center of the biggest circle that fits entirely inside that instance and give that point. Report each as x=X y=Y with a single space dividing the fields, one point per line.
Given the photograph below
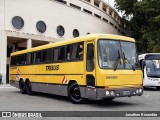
x=31 y=56
x=120 y=54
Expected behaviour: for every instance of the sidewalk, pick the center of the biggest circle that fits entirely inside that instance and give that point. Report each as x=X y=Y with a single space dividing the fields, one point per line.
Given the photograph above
x=5 y=86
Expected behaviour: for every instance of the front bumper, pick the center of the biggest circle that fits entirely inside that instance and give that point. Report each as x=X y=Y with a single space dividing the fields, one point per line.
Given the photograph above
x=121 y=92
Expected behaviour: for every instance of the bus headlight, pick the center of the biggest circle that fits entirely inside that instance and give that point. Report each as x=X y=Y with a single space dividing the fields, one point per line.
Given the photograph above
x=107 y=93
x=112 y=93
x=137 y=91
x=140 y=90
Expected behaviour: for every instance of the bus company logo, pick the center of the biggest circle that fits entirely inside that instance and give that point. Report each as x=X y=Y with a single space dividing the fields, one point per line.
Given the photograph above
x=18 y=74
x=64 y=80
x=6 y=114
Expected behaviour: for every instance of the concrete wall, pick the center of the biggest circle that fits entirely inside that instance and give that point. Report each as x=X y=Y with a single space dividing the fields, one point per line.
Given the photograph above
x=2 y=10
x=54 y=14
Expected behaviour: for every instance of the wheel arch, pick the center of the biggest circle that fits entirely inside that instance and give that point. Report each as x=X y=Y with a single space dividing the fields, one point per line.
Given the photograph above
x=71 y=82
x=27 y=79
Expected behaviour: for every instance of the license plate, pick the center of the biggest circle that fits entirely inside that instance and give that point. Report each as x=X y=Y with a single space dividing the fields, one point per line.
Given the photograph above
x=126 y=92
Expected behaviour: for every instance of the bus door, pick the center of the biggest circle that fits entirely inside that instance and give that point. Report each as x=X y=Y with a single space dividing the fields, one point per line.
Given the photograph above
x=90 y=71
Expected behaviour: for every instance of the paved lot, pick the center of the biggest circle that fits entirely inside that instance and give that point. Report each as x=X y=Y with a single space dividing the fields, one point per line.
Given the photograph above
x=12 y=100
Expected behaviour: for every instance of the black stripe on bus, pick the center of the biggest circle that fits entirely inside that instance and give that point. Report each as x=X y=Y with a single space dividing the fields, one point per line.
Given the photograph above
x=58 y=84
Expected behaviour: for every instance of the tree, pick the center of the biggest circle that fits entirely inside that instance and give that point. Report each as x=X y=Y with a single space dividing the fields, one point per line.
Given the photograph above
x=144 y=22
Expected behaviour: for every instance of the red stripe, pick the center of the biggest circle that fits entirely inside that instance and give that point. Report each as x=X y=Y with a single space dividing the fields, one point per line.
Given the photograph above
x=64 y=80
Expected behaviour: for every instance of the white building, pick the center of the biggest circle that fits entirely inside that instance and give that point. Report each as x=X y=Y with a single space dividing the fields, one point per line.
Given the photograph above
x=29 y=23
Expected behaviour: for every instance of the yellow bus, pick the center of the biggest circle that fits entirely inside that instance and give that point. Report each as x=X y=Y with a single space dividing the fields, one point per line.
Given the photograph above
x=100 y=66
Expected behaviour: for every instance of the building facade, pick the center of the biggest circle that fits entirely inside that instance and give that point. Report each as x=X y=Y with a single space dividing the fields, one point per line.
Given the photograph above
x=30 y=23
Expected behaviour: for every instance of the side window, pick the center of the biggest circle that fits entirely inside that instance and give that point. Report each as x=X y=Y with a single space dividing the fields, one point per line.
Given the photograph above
x=44 y=55
x=90 y=57
x=19 y=59
x=38 y=57
x=29 y=58
x=80 y=51
x=13 y=60
x=69 y=50
x=74 y=52
x=61 y=54
x=47 y=55
x=24 y=59
x=32 y=57
x=55 y=54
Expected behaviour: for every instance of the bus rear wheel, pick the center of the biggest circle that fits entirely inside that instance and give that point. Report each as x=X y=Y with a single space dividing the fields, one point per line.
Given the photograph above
x=29 y=88
x=22 y=87
x=74 y=93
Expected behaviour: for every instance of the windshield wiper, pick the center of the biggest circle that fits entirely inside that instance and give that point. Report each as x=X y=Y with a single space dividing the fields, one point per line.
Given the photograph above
x=117 y=61
x=127 y=61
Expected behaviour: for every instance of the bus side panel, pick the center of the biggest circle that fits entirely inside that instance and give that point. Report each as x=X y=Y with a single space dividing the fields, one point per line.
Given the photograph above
x=50 y=78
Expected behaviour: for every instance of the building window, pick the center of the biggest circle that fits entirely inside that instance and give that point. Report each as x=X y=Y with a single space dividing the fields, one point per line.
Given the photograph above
x=87 y=11
x=88 y=1
x=61 y=1
x=105 y=20
x=97 y=16
x=75 y=33
x=17 y=22
x=41 y=26
x=75 y=6
x=111 y=23
x=60 y=30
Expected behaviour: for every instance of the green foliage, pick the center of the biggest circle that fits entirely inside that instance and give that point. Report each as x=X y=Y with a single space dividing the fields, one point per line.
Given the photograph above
x=144 y=23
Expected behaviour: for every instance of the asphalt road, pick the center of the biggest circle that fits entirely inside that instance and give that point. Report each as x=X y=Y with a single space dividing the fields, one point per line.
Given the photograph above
x=12 y=100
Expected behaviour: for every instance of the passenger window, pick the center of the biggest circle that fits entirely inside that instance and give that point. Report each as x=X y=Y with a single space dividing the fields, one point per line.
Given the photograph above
x=80 y=51
x=29 y=58
x=24 y=59
x=61 y=54
x=13 y=60
x=74 y=52
x=56 y=54
x=47 y=55
x=33 y=58
x=38 y=57
x=69 y=50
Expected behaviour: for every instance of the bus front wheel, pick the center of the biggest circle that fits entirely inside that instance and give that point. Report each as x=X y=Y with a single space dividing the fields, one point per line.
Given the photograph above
x=29 y=88
x=74 y=93
x=22 y=87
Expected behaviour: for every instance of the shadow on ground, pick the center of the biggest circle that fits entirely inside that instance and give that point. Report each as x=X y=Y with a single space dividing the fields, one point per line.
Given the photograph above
x=96 y=103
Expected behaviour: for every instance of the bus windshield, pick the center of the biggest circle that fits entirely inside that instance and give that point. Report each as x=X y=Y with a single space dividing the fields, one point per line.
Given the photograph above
x=153 y=68
x=112 y=52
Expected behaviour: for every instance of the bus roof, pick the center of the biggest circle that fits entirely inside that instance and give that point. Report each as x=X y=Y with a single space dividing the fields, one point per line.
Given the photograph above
x=74 y=40
x=142 y=56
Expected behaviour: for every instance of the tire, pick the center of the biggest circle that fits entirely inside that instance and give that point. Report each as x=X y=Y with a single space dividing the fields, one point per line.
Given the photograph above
x=74 y=93
x=158 y=87
x=22 y=87
x=29 y=88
